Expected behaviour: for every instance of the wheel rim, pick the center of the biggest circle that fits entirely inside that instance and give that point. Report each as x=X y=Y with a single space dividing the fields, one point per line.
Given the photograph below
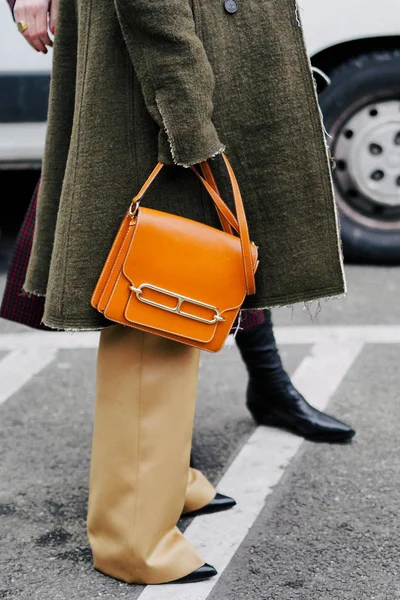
x=366 y=148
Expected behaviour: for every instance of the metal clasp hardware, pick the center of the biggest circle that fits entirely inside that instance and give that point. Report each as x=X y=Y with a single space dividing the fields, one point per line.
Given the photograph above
x=134 y=209
x=177 y=309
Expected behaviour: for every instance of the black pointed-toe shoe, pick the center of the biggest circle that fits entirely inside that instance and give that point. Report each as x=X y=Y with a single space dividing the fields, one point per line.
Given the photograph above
x=288 y=409
x=217 y=504
x=271 y=397
x=200 y=574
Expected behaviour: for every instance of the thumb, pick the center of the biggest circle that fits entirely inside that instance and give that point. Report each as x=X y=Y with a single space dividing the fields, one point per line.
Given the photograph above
x=53 y=15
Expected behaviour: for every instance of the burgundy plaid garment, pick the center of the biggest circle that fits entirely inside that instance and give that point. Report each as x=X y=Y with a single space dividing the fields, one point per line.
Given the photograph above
x=250 y=318
x=24 y=309
x=17 y=306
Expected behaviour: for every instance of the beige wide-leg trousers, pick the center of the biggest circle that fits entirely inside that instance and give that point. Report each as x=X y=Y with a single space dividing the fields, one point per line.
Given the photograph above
x=140 y=481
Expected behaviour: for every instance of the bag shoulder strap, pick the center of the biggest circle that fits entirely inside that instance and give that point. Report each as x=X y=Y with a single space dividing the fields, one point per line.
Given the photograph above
x=226 y=217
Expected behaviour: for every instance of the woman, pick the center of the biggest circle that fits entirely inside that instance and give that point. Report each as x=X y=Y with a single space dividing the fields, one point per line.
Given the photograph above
x=134 y=82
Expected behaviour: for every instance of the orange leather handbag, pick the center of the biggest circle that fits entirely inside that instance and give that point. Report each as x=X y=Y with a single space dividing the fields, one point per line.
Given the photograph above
x=178 y=278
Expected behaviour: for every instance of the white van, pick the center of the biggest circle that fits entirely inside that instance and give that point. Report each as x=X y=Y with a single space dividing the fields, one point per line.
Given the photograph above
x=356 y=43
x=24 y=89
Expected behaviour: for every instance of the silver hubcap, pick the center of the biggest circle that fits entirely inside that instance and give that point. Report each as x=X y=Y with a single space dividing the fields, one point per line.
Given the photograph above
x=367 y=151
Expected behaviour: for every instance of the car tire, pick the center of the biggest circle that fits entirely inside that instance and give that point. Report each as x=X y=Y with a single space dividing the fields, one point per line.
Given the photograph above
x=361 y=110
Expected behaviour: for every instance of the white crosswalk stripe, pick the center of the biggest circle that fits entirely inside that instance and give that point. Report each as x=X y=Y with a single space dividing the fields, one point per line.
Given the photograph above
x=19 y=366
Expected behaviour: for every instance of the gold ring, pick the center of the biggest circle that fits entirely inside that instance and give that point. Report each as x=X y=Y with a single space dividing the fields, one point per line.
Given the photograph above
x=22 y=26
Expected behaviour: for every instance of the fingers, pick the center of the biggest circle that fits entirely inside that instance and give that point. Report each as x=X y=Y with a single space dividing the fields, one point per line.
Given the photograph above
x=41 y=29
x=35 y=14
x=53 y=15
x=31 y=33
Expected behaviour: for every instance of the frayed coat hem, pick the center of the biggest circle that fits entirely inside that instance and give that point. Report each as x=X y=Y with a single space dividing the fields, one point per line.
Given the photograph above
x=99 y=322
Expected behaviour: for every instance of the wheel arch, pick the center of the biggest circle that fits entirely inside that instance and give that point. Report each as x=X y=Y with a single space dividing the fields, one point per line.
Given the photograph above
x=330 y=58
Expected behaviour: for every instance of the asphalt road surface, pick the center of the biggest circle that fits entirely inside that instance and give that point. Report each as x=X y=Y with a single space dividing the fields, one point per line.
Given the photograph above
x=313 y=521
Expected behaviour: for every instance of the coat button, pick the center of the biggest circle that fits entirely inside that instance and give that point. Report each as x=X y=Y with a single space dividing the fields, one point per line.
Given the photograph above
x=231 y=6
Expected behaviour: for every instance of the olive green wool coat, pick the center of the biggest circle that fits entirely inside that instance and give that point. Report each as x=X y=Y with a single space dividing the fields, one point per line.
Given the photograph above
x=178 y=80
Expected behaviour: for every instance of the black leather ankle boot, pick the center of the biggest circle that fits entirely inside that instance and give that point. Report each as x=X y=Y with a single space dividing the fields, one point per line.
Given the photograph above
x=272 y=399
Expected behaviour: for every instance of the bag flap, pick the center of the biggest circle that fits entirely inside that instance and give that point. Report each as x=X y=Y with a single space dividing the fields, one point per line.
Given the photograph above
x=178 y=267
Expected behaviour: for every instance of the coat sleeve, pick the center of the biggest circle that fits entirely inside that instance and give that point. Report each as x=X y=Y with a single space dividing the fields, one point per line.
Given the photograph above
x=175 y=76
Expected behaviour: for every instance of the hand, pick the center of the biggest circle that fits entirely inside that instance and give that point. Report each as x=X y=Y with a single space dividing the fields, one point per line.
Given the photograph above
x=35 y=14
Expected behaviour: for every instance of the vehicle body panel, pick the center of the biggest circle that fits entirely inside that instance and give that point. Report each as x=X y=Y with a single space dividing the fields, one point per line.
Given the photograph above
x=328 y=23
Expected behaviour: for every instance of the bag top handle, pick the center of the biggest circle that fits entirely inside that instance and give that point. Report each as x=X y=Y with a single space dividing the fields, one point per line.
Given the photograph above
x=241 y=220
x=228 y=220
x=226 y=217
